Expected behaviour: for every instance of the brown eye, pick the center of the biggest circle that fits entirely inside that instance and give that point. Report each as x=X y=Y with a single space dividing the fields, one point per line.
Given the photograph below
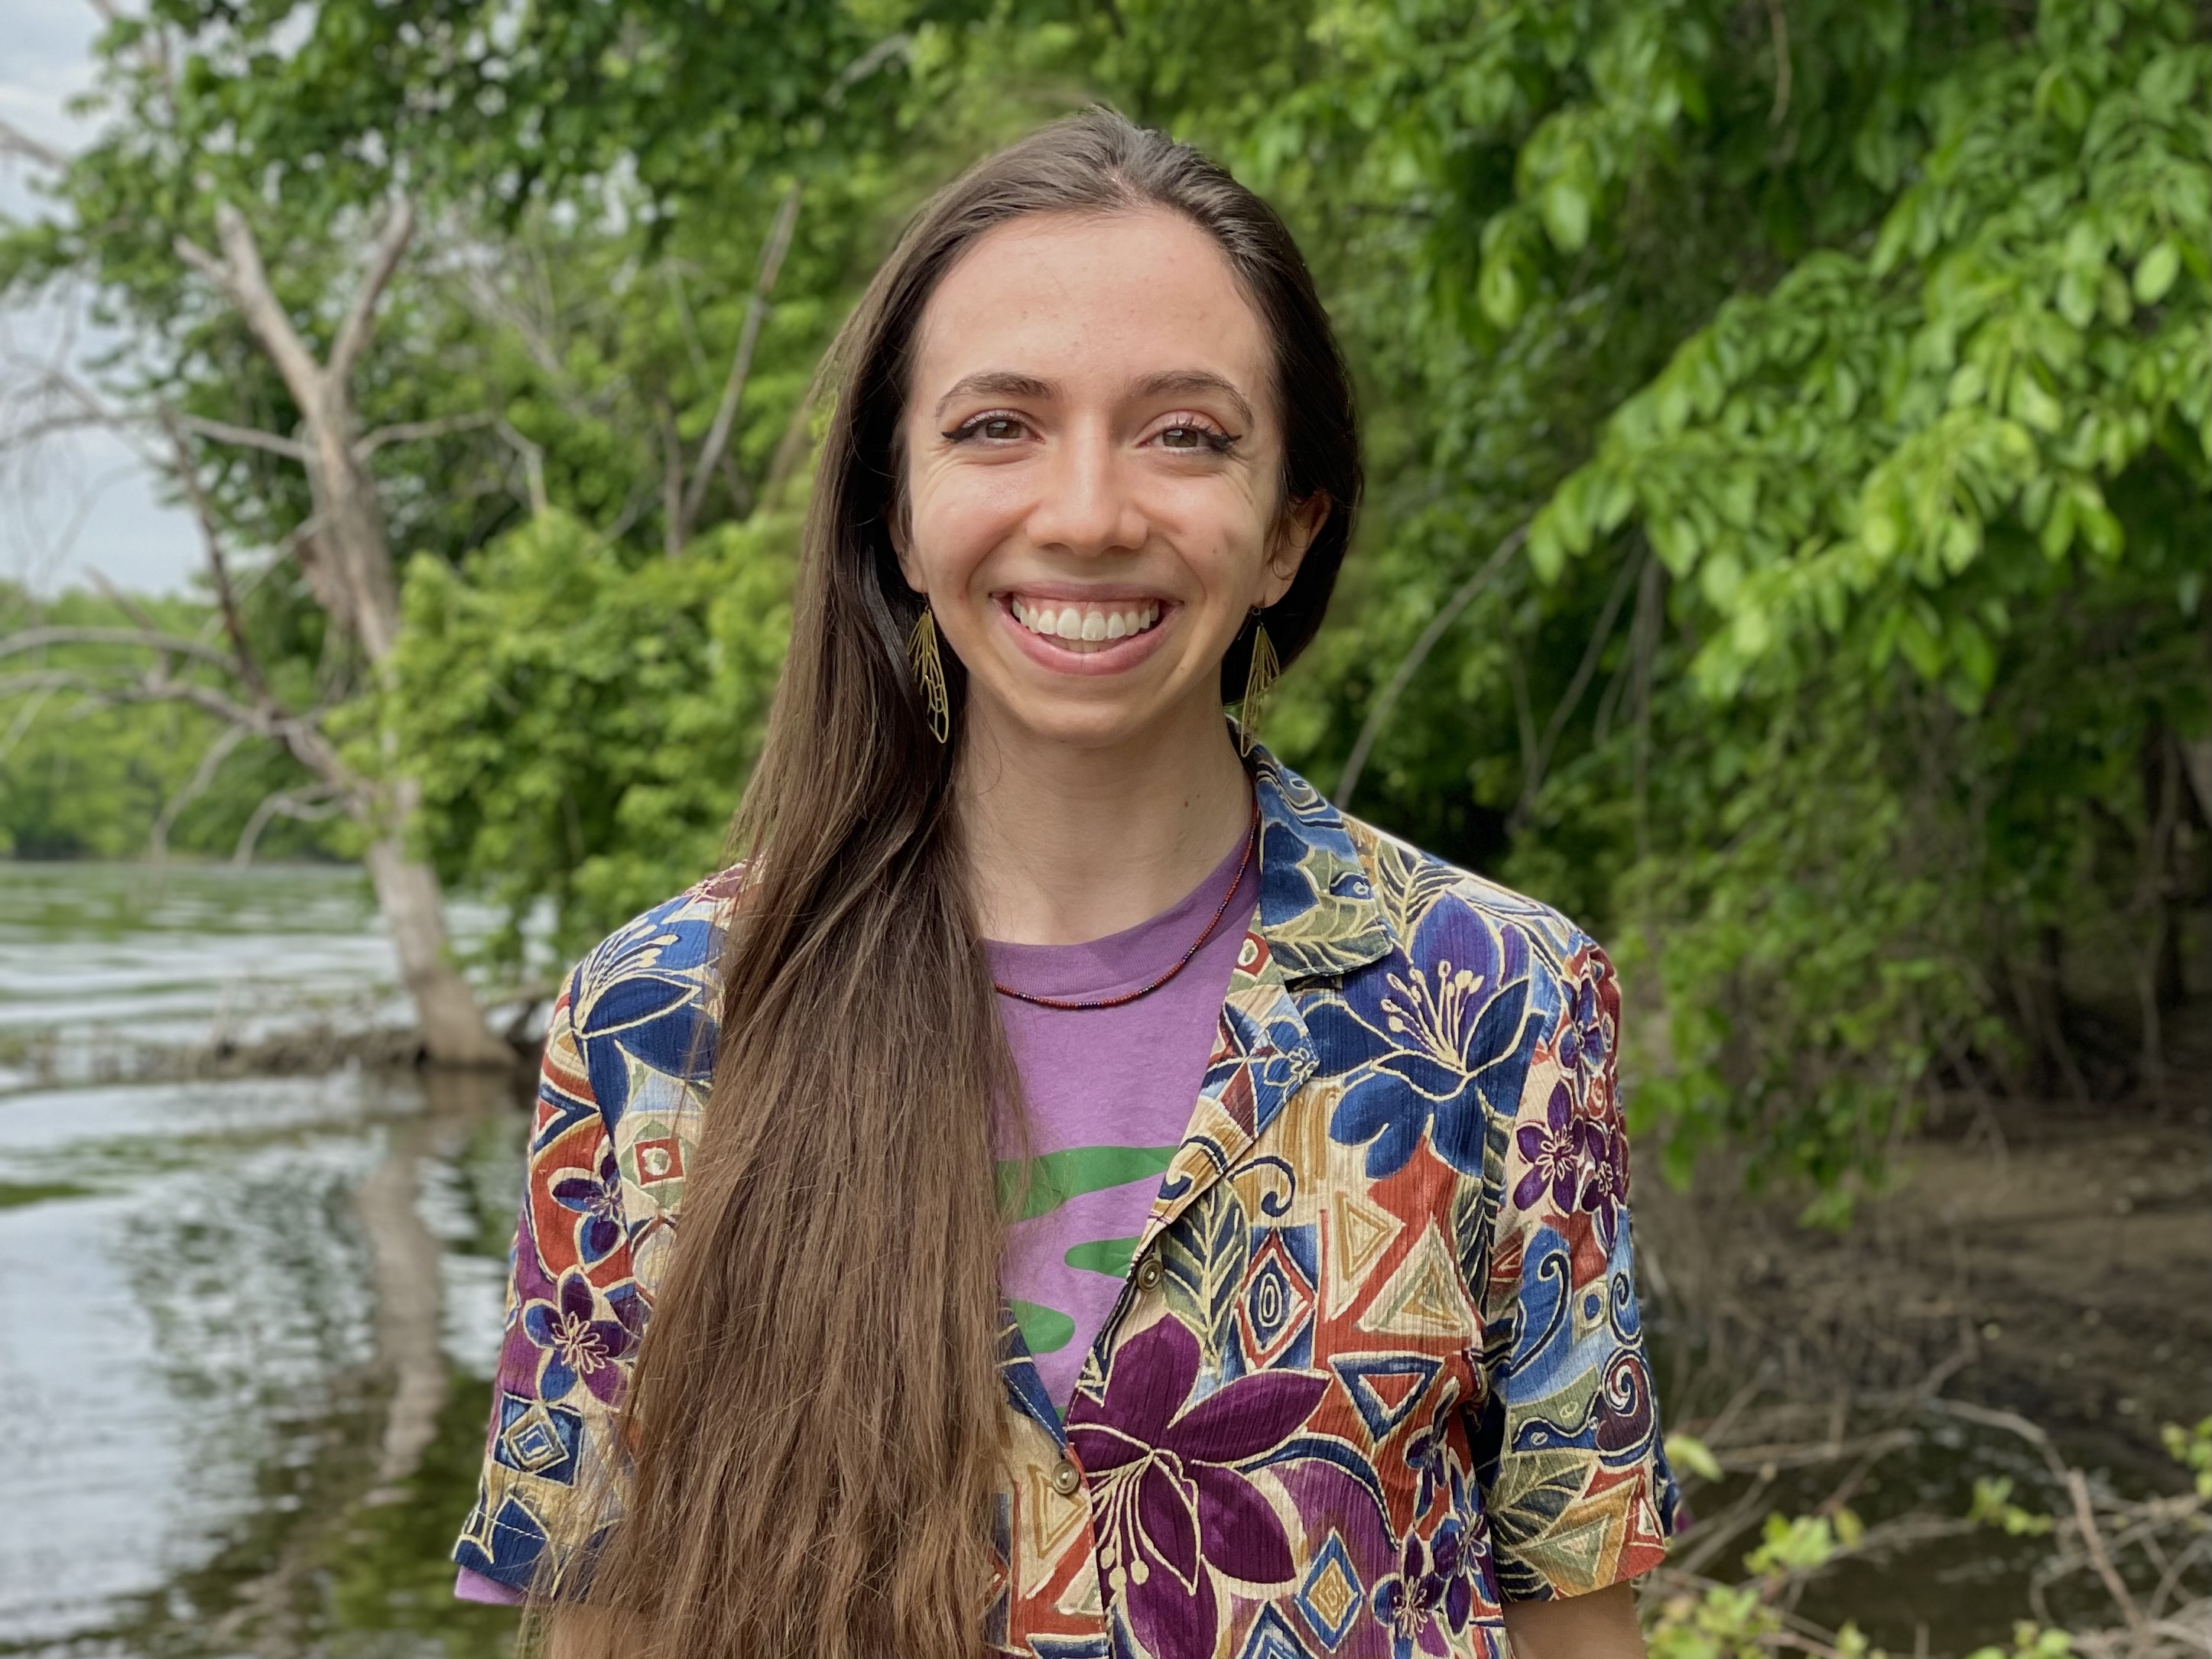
x=1001 y=429
x=1182 y=437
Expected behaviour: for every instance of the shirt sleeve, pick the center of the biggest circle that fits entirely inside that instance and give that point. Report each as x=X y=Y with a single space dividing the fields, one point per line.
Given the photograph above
x=574 y=1316
x=1566 y=1434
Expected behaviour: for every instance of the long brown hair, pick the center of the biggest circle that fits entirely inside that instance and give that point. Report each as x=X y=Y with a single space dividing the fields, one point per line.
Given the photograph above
x=817 y=1409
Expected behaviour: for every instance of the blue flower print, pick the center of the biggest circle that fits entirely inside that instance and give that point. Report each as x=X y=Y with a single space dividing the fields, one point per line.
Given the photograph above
x=597 y=1200
x=1585 y=1036
x=1441 y=1045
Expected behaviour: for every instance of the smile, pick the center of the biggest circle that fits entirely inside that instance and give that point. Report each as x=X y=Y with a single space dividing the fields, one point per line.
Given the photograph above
x=1070 y=625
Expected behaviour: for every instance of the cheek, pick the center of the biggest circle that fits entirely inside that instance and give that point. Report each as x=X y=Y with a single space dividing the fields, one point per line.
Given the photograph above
x=955 y=518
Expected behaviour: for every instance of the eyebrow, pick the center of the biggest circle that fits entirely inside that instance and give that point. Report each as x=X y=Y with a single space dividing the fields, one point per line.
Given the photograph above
x=1009 y=383
x=1196 y=381
x=996 y=383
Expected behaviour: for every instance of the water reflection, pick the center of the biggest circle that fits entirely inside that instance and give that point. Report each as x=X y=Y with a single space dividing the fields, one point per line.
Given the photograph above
x=249 y=1323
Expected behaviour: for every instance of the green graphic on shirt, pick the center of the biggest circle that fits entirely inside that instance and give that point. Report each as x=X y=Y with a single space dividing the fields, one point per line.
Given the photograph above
x=1058 y=1176
x=1110 y=1256
x=1047 y=1330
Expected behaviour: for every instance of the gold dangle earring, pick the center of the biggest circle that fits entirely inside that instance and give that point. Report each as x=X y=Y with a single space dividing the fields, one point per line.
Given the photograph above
x=1259 y=681
x=929 y=673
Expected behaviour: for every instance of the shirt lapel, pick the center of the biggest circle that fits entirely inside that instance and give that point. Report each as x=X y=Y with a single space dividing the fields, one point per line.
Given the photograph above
x=1318 y=918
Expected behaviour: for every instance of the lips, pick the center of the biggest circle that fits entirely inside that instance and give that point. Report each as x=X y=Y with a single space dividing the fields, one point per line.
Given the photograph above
x=1069 y=632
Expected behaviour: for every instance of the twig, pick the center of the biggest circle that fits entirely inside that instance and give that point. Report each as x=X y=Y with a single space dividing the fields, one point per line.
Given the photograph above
x=404 y=432
x=279 y=803
x=361 y=315
x=157 y=838
x=1402 y=675
x=734 y=386
x=2092 y=1541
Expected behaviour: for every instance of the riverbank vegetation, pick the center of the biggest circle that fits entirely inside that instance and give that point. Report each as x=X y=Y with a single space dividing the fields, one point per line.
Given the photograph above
x=1788 y=426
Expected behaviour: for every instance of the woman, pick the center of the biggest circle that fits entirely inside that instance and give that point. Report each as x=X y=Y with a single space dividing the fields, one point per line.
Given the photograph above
x=967 y=1331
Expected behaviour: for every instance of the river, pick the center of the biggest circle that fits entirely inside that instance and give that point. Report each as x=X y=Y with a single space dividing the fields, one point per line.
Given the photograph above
x=196 y=1365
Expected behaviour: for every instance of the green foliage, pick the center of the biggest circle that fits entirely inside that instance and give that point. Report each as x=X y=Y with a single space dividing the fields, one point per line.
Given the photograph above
x=1848 y=364
x=2193 y=1450
x=583 y=720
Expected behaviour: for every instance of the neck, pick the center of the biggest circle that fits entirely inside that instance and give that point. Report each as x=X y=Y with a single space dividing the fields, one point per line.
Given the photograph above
x=1068 y=844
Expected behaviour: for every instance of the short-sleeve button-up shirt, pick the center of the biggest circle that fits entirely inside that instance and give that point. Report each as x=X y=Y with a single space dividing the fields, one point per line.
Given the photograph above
x=1377 y=1366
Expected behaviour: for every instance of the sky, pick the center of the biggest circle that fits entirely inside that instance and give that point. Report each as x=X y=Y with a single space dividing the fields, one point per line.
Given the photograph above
x=86 y=504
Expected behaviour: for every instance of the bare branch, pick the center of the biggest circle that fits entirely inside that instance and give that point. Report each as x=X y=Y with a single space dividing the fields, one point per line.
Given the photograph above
x=1599 y=636
x=242 y=276
x=405 y=432
x=741 y=363
x=228 y=739
x=1402 y=675
x=361 y=315
x=249 y=437
x=234 y=623
x=14 y=141
x=34 y=639
x=534 y=466
x=309 y=805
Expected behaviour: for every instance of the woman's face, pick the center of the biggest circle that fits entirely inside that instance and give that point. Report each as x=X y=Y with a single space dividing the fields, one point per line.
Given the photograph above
x=1093 y=497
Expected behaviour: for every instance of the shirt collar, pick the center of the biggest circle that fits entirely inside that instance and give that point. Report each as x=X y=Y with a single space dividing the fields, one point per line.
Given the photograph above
x=1318 y=911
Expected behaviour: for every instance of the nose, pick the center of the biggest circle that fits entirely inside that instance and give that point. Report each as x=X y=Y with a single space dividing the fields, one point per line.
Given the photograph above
x=1087 y=504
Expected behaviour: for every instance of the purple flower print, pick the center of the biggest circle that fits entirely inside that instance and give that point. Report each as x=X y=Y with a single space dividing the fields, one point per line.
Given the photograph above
x=598 y=1199
x=1554 y=1151
x=578 y=1347
x=1170 y=1507
x=1428 y=1598
x=1580 y=1160
x=1585 y=1035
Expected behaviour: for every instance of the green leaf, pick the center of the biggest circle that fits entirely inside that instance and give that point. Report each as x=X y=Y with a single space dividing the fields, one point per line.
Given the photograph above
x=2155 y=271
x=1566 y=213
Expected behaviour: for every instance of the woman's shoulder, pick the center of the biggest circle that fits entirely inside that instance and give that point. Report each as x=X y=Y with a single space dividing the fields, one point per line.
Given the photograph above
x=1430 y=901
x=647 y=987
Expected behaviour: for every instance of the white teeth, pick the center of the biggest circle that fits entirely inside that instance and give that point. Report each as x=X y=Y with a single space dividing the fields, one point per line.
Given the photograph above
x=1088 y=626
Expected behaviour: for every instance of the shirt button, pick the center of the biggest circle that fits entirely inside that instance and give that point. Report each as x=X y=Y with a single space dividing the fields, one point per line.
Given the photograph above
x=1149 y=1273
x=1065 y=1478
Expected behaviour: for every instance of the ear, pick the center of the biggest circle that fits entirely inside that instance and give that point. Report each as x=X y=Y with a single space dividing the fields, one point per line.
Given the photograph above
x=1300 y=523
x=902 y=536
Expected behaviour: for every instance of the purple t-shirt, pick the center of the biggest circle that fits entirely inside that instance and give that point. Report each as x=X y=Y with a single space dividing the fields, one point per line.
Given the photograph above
x=1109 y=1092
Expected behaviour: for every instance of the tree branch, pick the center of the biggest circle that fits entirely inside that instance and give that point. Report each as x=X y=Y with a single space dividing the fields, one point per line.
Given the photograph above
x=234 y=624
x=241 y=275
x=1573 y=694
x=741 y=362
x=408 y=432
x=248 y=437
x=1403 y=675
x=281 y=802
x=14 y=141
x=33 y=639
x=361 y=315
x=228 y=739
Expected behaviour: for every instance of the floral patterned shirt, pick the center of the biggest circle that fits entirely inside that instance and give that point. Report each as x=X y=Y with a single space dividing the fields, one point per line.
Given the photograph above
x=1376 y=1367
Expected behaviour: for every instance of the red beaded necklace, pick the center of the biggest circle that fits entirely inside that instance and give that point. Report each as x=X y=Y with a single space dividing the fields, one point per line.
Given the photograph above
x=1071 y=1006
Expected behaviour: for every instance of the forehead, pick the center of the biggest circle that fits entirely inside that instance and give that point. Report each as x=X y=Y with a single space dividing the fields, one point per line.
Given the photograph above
x=1091 y=302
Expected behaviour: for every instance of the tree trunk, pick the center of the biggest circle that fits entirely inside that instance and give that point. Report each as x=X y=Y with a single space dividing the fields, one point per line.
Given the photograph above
x=351 y=575
x=454 y=1030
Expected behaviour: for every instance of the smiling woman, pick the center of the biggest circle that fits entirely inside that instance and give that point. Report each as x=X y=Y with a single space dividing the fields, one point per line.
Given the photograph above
x=1068 y=1190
